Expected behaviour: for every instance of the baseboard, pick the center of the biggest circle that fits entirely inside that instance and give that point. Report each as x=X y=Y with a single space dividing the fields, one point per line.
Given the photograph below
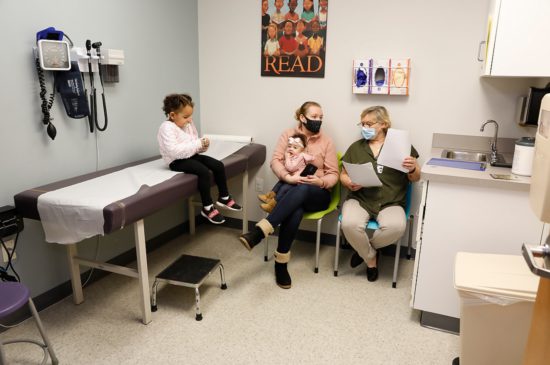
x=440 y=322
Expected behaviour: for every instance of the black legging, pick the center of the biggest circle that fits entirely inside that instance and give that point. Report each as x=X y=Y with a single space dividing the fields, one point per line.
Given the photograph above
x=201 y=165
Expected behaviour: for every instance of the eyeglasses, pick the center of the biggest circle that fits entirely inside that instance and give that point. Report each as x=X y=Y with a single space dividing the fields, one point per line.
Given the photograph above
x=367 y=124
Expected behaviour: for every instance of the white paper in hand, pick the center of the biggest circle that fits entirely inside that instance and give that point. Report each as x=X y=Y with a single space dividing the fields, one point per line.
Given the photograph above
x=396 y=147
x=363 y=174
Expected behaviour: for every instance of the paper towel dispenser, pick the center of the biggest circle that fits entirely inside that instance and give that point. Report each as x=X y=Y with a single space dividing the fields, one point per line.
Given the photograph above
x=529 y=106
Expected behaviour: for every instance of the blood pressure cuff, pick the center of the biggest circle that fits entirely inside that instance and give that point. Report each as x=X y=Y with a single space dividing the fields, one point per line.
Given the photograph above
x=70 y=86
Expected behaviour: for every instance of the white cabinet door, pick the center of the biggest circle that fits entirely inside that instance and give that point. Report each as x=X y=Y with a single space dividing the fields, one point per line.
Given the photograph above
x=471 y=219
x=517 y=40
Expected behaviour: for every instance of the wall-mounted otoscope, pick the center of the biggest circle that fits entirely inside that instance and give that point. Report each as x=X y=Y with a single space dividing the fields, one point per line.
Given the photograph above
x=91 y=76
x=97 y=47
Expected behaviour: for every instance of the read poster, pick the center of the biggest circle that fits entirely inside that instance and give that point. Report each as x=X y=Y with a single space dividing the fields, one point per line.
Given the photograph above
x=294 y=37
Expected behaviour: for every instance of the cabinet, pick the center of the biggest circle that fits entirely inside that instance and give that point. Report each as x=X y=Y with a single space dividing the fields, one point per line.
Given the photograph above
x=470 y=218
x=516 y=42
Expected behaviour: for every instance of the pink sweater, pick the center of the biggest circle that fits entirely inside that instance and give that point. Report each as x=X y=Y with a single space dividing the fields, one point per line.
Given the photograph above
x=322 y=149
x=177 y=143
x=295 y=163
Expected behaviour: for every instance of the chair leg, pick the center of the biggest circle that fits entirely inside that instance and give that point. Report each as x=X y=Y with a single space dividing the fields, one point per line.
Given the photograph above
x=318 y=245
x=396 y=263
x=337 y=249
x=47 y=342
x=2 y=355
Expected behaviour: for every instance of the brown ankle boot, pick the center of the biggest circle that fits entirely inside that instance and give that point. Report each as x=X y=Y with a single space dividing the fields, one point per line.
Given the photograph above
x=269 y=205
x=267 y=196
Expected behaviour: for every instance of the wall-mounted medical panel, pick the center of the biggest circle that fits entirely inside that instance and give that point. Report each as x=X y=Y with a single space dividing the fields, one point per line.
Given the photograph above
x=386 y=76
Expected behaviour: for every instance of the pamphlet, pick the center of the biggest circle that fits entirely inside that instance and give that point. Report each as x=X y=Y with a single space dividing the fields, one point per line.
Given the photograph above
x=363 y=174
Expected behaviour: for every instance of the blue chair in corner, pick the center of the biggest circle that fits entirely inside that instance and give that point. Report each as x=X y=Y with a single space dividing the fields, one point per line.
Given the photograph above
x=318 y=216
x=373 y=225
x=13 y=296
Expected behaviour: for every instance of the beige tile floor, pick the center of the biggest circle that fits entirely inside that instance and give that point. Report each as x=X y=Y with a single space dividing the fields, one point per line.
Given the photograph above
x=322 y=320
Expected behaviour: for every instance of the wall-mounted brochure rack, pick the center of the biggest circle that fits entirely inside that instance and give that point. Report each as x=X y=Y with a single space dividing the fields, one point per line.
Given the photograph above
x=389 y=76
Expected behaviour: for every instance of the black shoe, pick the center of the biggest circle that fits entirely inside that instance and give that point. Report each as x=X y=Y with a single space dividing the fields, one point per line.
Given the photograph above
x=356 y=260
x=372 y=272
x=252 y=238
x=213 y=215
x=282 y=277
x=228 y=203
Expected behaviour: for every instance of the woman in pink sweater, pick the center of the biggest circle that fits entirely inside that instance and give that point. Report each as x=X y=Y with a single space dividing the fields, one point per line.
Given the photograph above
x=308 y=193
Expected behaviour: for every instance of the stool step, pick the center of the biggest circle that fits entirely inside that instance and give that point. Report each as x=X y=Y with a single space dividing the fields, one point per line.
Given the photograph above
x=189 y=269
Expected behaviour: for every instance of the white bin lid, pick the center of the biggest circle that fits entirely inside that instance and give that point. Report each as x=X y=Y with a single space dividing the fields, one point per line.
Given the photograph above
x=496 y=275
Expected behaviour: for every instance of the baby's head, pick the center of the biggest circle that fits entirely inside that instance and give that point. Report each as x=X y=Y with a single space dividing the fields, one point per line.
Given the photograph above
x=296 y=144
x=178 y=108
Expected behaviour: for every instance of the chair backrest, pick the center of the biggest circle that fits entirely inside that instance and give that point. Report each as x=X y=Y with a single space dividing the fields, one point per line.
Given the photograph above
x=334 y=197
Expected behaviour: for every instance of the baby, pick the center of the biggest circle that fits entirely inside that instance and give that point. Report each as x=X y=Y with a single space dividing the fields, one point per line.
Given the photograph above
x=295 y=161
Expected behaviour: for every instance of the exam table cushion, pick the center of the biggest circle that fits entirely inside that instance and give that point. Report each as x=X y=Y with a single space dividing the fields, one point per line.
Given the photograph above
x=148 y=199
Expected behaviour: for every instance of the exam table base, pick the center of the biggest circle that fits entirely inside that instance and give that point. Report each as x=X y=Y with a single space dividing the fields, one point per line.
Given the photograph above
x=141 y=272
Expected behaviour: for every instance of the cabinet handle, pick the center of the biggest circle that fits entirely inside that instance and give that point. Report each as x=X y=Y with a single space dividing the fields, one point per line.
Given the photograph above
x=479 y=50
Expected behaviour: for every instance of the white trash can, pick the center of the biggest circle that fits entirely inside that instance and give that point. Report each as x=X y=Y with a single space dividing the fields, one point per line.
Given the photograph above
x=497 y=294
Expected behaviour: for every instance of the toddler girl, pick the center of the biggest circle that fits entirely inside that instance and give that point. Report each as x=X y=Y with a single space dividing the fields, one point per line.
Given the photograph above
x=295 y=161
x=180 y=147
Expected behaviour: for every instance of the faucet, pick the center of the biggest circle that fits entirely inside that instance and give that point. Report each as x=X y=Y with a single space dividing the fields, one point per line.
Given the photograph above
x=493 y=142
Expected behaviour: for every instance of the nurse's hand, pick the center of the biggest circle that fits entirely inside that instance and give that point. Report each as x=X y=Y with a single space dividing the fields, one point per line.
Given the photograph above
x=350 y=185
x=409 y=163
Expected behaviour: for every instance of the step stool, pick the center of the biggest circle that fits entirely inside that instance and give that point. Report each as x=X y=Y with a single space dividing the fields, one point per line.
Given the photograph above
x=189 y=271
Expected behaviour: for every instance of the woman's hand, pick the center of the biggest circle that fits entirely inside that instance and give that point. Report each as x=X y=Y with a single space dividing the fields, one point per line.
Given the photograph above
x=292 y=179
x=348 y=184
x=312 y=180
x=409 y=163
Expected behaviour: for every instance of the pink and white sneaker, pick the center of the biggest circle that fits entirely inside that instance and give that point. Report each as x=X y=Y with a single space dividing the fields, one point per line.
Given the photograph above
x=228 y=203
x=213 y=215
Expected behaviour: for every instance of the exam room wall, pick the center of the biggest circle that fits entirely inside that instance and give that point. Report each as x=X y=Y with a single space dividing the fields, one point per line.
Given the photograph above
x=159 y=40
x=446 y=93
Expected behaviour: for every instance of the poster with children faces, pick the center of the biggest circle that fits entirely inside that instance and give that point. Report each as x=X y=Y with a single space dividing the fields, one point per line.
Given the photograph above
x=294 y=37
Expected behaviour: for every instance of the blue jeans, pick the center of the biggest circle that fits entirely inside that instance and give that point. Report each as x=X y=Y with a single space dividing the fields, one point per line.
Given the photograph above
x=280 y=189
x=289 y=211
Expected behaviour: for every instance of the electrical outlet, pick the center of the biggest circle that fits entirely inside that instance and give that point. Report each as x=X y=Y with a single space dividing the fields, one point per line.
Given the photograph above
x=9 y=245
x=259 y=184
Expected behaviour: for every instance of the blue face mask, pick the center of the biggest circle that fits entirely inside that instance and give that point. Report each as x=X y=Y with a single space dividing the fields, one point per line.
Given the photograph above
x=368 y=133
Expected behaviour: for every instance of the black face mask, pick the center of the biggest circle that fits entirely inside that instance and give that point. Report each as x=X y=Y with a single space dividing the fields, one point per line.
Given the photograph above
x=314 y=126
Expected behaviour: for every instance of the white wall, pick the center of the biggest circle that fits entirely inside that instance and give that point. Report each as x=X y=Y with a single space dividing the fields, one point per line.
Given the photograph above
x=446 y=93
x=160 y=43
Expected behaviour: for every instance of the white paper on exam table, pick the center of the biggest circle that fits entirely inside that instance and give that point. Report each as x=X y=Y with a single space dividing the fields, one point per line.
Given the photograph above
x=363 y=174
x=396 y=147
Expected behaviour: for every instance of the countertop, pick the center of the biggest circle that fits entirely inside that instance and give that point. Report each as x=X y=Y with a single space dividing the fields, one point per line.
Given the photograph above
x=471 y=177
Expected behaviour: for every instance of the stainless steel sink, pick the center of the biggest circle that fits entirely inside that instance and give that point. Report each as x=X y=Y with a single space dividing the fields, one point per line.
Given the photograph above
x=465 y=155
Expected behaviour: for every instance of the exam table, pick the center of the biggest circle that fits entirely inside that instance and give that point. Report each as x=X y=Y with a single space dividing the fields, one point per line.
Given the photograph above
x=133 y=209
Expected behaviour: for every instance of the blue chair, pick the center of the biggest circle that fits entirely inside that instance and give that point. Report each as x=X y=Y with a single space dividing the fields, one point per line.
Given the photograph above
x=12 y=297
x=373 y=225
x=318 y=216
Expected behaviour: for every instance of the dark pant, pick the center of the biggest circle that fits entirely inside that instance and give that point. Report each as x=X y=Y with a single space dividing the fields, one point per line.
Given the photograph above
x=280 y=189
x=201 y=165
x=289 y=211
